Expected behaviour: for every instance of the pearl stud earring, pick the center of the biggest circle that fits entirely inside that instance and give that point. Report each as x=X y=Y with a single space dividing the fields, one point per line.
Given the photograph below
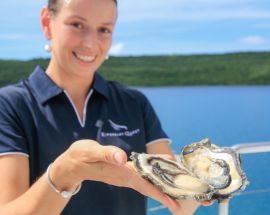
x=48 y=48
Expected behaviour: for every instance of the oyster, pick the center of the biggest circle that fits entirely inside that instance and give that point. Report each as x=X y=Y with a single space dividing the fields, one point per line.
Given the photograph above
x=204 y=171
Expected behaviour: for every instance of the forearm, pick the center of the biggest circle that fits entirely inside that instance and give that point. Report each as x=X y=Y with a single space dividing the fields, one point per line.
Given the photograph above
x=38 y=199
x=82 y=161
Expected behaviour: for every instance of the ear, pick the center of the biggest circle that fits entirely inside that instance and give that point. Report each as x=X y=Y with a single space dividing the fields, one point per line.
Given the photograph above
x=45 y=20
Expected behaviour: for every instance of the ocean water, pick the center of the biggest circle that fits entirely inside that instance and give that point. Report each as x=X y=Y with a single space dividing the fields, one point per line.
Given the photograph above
x=228 y=116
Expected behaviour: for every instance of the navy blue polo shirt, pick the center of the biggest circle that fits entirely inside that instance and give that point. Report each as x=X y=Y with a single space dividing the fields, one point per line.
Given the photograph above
x=39 y=120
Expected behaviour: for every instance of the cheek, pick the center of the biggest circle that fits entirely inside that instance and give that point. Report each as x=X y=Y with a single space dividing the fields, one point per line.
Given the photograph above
x=106 y=45
x=68 y=45
x=64 y=37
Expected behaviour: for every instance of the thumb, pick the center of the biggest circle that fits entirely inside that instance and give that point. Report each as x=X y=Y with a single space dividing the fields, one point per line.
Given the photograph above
x=114 y=155
x=92 y=151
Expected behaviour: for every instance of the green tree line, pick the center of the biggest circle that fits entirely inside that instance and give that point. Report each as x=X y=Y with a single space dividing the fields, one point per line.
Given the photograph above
x=223 y=69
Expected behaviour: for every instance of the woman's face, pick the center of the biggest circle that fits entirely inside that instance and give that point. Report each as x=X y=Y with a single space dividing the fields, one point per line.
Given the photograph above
x=81 y=34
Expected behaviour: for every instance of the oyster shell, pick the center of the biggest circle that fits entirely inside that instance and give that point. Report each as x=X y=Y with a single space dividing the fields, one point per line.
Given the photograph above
x=204 y=172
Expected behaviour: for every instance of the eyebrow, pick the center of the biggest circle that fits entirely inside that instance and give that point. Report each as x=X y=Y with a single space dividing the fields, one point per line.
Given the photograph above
x=77 y=17
x=108 y=23
x=83 y=19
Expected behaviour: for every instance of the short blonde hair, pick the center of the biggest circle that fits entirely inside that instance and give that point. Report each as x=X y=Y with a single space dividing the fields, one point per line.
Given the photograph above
x=53 y=6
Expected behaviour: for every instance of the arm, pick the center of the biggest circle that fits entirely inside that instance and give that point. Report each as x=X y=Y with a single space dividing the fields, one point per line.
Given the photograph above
x=15 y=195
x=188 y=207
x=14 y=177
x=84 y=160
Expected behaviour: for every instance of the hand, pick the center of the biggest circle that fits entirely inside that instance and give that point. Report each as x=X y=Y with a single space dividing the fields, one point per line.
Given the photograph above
x=82 y=156
x=88 y=160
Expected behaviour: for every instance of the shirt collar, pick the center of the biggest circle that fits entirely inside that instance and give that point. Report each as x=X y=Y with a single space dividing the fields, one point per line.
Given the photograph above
x=45 y=88
x=100 y=85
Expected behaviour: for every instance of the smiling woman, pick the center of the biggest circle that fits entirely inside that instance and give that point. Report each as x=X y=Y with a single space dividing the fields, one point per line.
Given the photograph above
x=67 y=119
x=81 y=36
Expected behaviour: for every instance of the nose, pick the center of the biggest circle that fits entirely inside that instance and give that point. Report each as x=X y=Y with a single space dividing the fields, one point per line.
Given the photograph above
x=90 y=39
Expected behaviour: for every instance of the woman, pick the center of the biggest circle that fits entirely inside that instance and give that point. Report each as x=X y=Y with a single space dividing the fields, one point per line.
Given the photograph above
x=78 y=126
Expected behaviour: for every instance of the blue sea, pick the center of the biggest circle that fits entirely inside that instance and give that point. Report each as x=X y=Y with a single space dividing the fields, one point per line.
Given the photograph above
x=228 y=116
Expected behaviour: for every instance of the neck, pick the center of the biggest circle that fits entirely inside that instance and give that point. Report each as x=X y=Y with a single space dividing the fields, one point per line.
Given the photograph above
x=76 y=86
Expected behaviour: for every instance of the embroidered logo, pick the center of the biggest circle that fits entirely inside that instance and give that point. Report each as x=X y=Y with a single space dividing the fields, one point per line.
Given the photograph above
x=119 y=131
x=117 y=127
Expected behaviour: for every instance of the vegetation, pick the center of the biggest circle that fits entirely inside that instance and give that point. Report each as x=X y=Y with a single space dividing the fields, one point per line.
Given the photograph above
x=225 y=69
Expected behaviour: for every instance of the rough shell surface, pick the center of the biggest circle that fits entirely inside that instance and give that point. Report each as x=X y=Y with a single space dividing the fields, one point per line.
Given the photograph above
x=203 y=172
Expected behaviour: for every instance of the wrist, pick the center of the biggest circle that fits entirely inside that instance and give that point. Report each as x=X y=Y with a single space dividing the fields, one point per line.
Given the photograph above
x=62 y=185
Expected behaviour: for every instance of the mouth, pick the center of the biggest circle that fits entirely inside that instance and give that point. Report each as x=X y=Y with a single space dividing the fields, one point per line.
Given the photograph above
x=85 y=58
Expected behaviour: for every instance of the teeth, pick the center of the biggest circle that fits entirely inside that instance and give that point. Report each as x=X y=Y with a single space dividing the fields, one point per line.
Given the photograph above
x=86 y=58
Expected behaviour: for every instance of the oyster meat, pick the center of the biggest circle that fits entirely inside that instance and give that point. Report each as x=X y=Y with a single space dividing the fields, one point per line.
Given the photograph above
x=203 y=171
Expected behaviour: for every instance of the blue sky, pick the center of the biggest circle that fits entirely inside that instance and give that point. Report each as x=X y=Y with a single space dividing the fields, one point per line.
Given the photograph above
x=152 y=27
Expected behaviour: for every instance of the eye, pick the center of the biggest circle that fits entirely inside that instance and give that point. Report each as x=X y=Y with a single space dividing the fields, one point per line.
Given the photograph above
x=105 y=30
x=77 y=25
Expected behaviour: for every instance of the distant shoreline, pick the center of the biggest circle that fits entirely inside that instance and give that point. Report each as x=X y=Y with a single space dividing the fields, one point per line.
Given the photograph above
x=243 y=68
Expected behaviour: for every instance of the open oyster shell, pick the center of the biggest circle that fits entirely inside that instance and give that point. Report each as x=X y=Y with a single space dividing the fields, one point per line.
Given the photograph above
x=204 y=171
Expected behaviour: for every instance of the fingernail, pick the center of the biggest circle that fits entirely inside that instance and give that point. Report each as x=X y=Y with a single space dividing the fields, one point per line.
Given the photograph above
x=119 y=158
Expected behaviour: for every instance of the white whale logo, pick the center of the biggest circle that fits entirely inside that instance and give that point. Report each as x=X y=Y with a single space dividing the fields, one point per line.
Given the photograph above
x=117 y=127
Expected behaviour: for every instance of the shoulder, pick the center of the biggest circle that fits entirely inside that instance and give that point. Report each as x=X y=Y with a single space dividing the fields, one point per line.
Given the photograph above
x=13 y=95
x=121 y=91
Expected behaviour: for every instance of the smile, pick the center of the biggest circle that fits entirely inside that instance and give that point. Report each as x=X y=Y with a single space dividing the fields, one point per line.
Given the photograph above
x=85 y=58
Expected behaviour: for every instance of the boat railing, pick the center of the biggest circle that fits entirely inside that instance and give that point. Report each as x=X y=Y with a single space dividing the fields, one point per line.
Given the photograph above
x=246 y=148
x=243 y=148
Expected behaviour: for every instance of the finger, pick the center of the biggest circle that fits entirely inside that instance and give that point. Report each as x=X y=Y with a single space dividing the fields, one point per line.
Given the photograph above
x=113 y=155
x=92 y=151
x=150 y=190
x=146 y=188
x=188 y=206
x=206 y=203
x=165 y=156
x=174 y=206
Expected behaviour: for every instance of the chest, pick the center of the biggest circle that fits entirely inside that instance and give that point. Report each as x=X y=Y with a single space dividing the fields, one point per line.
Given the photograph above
x=57 y=125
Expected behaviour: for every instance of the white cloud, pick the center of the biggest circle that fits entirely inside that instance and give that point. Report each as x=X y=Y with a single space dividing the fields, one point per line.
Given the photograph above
x=116 y=49
x=253 y=40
